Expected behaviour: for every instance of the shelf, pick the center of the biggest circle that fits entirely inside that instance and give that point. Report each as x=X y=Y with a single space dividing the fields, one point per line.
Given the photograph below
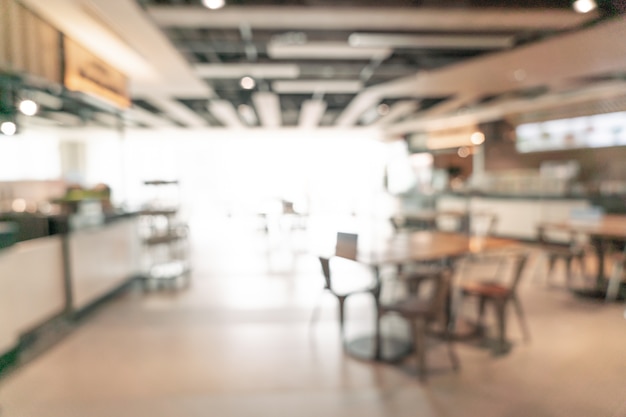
x=159 y=212
x=162 y=239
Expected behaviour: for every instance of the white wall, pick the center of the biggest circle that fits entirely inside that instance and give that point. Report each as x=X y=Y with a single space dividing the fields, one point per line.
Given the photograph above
x=220 y=169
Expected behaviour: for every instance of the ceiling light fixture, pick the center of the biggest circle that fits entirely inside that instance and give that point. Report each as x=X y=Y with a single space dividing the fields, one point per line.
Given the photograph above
x=383 y=109
x=584 y=6
x=247 y=83
x=28 y=107
x=214 y=4
x=463 y=152
x=477 y=138
x=8 y=128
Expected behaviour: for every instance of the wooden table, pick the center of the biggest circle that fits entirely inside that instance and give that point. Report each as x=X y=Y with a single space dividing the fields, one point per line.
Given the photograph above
x=410 y=248
x=427 y=219
x=601 y=232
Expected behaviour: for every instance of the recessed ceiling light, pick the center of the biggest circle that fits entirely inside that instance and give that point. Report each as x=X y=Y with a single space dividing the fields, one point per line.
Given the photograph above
x=28 y=107
x=463 y=152
x=247 y=83
x=584 y=6
x=214 y=4
x=382 y=109
x=8 y=128
x=477 y=138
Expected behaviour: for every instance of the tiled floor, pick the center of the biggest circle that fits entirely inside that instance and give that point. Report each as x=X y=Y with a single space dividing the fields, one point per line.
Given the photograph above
x=238 y=343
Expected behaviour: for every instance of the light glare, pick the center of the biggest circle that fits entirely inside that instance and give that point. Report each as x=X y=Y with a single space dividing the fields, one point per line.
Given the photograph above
x=247 y=83
x=477 y=138
x=28 y=107
x=8 y=128
x=584 y=6
x=214 y=4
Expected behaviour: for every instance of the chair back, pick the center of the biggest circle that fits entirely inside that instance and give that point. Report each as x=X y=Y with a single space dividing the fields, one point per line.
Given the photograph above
x=347 y=245
x=325 y=262
x=521 y=259
x=504 y=268
x=482 y=223
x=439 y=296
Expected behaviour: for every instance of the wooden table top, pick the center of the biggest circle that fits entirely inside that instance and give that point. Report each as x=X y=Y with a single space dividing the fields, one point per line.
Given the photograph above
x=425 y=246
x=609 y=226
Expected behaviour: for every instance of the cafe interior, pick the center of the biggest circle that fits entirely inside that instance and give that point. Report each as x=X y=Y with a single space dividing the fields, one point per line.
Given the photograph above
x=312 y=207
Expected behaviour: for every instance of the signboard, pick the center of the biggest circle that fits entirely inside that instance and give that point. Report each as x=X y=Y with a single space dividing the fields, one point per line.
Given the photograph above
x=28 y=44
x=600 y=130
x=89 y=74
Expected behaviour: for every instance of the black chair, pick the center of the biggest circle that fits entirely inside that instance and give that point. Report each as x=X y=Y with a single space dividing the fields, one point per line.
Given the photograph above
x=423 y=312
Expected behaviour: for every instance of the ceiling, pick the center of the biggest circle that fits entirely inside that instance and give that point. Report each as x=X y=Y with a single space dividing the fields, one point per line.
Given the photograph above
x=402 y=65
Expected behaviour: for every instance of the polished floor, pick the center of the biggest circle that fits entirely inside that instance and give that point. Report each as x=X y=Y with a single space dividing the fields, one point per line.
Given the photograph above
x=238 y=342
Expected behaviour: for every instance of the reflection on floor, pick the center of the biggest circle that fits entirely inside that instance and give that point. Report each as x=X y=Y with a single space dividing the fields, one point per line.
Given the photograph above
x=238 y=343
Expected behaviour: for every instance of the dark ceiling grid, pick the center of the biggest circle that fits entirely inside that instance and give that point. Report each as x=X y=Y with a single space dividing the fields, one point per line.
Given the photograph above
x=248 y=45
x=200 y=107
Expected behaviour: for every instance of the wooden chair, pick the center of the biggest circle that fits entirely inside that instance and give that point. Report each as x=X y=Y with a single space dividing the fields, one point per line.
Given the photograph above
x=566 y=250
x=342 y=294
x=497 y=291
x=422 y=313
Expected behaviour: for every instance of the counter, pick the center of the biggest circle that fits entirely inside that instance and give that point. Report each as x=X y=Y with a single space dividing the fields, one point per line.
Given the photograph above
x=517 y=215
x=64 y=273
x=101 y=258
x=32 y=287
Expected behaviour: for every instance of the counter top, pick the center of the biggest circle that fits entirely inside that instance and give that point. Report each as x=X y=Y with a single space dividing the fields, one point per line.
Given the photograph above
x=513 y=196
x=36 y=225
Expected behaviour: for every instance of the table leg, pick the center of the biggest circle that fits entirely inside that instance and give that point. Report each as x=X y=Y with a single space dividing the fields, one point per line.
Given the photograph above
x=601 y=284
x=600 y=248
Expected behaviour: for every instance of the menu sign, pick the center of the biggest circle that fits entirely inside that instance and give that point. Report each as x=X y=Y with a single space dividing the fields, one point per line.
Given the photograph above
x=89 y=74
x=600 y=130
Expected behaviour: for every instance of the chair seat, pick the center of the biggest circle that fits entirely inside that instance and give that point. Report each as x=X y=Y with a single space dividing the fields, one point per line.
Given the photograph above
x=425 y=270
x=412 y=306
x=339 y=291
x=561 y=250
x=486 y=289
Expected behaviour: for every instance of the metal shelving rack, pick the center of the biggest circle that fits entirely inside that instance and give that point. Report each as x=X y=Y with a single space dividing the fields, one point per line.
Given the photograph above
x=165 y=238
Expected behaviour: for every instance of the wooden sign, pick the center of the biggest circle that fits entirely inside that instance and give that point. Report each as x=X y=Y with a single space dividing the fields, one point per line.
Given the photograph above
x=28 y=44
x=89 y=74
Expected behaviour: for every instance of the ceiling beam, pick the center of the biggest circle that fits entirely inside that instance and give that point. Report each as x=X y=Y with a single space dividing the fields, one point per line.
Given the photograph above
x=317 y=87
x=397 y=111
x=225 y=112
x=311 y=113
x=448 y=106
x=143 y=116
x=498 y=110
x=233 y=71
x=268 y=108
x=177 y=111
x=359 y=105
x=455 y=42
x=326 y=51
x=354 y=18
